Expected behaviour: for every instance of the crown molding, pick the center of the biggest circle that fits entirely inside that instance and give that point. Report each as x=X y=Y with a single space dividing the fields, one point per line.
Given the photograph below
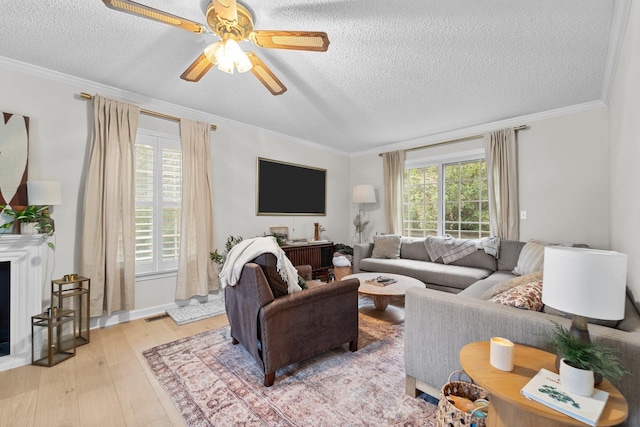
x=142 y=101
x=480 y=129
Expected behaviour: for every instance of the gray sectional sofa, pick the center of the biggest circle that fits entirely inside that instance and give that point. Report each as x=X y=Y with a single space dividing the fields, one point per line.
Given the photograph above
x=438 y=324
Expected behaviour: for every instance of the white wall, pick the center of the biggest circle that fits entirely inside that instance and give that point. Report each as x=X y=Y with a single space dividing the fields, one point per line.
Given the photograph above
x=625 y=150
x=60 y=135
x=563 y=176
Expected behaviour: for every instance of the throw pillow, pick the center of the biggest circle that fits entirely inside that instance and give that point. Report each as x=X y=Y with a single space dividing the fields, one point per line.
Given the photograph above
x=531 y=258
x=512 y=283
x=386 y=246
x=527 y=296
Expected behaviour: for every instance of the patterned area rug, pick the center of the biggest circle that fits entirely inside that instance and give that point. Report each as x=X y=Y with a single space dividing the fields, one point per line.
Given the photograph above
x=213 y=382
x=194 y=312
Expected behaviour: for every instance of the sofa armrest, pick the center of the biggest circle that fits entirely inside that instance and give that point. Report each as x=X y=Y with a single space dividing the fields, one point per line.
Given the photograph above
x=361 y=251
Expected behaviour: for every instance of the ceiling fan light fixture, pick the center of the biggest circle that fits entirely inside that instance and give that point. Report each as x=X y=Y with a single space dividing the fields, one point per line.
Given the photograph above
x=212 y=52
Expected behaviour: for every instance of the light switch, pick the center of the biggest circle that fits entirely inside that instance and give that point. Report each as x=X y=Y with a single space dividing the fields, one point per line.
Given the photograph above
x=523 y=214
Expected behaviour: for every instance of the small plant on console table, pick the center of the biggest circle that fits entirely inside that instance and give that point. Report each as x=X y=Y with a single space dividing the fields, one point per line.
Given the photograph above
x=594 y=356
x=219 y=258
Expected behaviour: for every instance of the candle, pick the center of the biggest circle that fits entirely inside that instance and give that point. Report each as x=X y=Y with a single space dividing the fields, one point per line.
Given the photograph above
x=501 y=354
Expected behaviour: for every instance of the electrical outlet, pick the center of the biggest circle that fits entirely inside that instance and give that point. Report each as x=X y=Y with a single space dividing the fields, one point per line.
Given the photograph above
x=523 y=214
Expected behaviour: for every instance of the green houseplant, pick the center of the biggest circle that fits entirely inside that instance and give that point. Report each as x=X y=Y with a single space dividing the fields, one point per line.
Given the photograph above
x=602 y=360
x=37 y=215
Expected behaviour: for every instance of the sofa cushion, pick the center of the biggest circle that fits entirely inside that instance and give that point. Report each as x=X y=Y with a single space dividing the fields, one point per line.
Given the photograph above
x=413 y=248
x=386 y=246
x=479 y=259
x=478 y=289
x=531 y=258
x=526 y=295
x=509 y=254
x=453 y=276
x=516 y=281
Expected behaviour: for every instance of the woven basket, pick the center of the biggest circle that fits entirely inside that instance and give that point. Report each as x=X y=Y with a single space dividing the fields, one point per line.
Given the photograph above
x=447 y=414
x=341 y=272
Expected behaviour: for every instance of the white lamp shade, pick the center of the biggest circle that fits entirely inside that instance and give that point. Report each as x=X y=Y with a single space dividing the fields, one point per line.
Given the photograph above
x=585 y=282
x=364 y=194
x=44 y=193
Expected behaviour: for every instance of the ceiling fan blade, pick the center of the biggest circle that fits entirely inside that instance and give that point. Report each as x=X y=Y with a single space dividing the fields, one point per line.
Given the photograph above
x=197 y=69
x=265 y=75
x=226 y=9
x=297 y=40
x=143 y=11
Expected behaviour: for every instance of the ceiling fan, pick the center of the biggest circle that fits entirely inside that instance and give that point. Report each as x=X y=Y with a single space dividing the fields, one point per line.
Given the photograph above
x=233 y=23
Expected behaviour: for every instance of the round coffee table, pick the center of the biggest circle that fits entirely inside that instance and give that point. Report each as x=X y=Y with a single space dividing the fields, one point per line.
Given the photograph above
x=382 y=294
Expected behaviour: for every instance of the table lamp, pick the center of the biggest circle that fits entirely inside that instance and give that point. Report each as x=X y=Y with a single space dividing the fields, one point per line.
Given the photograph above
x=363 y=194
x=44 y=193
x=586 y=283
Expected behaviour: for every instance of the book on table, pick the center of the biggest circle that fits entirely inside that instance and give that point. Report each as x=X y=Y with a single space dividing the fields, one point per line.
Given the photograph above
x=545 y=388
x=381 y=281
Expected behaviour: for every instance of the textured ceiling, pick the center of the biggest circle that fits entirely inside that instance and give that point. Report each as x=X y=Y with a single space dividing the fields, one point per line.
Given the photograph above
x=394 y=71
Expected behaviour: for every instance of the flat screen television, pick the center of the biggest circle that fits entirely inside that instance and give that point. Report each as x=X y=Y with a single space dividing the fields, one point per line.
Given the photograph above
x=290 y=189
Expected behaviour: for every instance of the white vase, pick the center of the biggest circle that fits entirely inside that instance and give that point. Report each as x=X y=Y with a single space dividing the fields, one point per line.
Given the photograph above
x=574 y=380
x=28 y=228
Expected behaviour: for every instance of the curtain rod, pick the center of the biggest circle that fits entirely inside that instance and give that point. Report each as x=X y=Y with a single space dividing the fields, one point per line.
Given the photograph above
x=466 y=138
x=84 y=95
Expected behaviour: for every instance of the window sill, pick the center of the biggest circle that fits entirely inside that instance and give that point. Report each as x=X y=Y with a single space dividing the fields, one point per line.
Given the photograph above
x=141 y=277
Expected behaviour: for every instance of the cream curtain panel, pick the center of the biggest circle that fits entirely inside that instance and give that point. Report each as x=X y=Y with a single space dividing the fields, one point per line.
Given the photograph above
x=393 y=169
x=502 y=177
x=108 y=228
x=197 y=274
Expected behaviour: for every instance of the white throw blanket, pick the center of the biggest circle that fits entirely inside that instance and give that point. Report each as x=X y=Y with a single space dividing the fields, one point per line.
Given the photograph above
x=448 y=248
x=452 y=249
x=249 y=249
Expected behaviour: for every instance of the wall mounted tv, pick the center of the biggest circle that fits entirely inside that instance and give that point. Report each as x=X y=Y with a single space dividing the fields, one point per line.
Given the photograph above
x=290 y=189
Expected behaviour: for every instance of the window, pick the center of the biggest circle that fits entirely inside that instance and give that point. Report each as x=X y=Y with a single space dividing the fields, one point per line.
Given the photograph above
x=158 y=197
x=446 y=196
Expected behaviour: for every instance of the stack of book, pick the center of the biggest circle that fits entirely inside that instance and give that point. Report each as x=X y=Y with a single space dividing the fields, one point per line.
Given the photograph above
x=380 y=281
x=545 y=388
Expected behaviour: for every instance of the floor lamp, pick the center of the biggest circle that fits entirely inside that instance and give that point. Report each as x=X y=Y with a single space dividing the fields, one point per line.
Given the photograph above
x=362 y=194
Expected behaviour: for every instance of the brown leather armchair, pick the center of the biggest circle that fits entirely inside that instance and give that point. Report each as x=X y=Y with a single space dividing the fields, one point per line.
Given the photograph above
x=293 y=327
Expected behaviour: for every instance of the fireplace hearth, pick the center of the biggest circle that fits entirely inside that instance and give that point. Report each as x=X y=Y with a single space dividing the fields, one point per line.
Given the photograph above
x=24 y=259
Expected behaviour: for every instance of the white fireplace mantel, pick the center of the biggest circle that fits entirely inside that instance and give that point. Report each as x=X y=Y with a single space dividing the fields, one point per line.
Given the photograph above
x=27 y=255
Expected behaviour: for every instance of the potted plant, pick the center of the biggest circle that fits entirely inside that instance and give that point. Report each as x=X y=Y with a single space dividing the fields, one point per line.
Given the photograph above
x=219 y=258
x=32 y=219
x=583 y=365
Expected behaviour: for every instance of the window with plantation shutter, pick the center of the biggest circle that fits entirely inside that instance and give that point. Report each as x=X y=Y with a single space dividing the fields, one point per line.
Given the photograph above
x=158 y=197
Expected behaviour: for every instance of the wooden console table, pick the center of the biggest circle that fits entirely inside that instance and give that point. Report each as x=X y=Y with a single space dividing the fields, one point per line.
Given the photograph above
x=318 y=255
x=509 y=408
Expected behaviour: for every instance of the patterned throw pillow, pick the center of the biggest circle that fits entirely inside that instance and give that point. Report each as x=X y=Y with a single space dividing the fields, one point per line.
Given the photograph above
x=527 y=296
x=386 y=246
x=531 y=258
x=512 y=283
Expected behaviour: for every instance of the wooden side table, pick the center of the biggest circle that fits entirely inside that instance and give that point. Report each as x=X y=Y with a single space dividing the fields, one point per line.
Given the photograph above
x=509 y=407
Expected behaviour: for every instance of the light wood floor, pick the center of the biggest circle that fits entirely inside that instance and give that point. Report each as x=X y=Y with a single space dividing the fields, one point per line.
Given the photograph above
x=106 y=383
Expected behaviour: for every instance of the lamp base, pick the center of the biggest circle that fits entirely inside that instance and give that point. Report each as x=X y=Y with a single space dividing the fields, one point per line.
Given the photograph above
x=579 y=328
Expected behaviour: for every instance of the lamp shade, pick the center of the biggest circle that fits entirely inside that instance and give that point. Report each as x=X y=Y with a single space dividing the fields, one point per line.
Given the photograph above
x=585 y=282
x=44 y=193
x=364 y=194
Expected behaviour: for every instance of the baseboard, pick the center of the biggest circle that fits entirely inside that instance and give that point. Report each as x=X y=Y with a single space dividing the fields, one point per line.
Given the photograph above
x=127 y=316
